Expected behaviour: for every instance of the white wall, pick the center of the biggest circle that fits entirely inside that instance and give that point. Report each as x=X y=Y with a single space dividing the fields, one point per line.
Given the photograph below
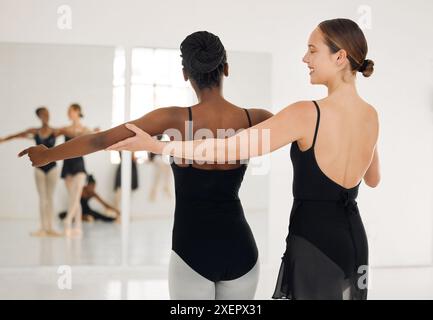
x=398 y=213
x=54 y=76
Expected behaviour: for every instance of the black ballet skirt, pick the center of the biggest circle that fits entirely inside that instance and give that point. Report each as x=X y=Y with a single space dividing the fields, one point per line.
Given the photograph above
x=72 y=166
x=326 y=253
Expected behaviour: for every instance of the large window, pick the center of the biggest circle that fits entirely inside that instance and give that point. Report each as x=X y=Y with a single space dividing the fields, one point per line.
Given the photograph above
x=156 y=81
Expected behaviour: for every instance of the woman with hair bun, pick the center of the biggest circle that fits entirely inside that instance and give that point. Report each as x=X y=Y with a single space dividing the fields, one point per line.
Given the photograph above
x=214 y=254
x=46 y=176
x=334 y=148
x=74 y=172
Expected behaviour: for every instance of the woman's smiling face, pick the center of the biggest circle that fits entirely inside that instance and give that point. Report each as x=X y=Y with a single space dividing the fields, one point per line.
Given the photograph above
x=319 y=59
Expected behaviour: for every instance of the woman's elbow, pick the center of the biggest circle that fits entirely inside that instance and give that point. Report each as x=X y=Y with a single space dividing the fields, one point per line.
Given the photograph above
x=372 y=182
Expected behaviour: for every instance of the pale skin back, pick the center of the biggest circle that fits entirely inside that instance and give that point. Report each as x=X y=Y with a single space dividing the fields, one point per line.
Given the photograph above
x=346 y=136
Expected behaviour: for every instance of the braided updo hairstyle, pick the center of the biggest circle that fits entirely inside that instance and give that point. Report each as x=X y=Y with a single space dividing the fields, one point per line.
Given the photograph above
x=203 y=58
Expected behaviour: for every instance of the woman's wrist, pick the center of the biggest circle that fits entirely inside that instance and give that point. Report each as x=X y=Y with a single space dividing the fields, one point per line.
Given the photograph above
x=158 y=147
x=49 y=156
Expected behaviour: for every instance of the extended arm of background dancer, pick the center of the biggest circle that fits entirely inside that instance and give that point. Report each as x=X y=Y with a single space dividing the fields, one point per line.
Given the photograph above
x=154 y=123
x=29 y=133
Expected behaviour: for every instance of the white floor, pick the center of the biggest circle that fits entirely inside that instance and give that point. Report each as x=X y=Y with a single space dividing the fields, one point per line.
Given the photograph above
x=101 y=282
x=29 y=267
x=148 y=243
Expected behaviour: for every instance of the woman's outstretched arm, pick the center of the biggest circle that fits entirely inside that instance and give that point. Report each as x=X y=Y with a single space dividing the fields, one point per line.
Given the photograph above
x=153 y=123
x=283 y=128
x=22 y=134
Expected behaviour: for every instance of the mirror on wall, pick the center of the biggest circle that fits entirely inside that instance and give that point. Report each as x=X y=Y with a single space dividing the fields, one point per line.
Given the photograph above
x=96 y=78
x=52 y=78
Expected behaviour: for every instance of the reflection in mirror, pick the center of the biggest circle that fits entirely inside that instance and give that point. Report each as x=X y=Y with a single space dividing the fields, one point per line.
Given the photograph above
x=63 y=213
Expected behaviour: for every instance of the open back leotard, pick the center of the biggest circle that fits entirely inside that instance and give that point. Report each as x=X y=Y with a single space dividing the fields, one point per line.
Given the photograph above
x=210 y=232
x=49 y=142
x=327 y=249
x=72 y=166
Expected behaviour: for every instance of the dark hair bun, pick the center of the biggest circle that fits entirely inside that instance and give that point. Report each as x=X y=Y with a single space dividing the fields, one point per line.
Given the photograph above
x=202 y=52
x=77 y=108
x=367 y=68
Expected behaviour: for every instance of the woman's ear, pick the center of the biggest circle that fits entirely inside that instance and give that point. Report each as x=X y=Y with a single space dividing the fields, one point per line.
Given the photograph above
x=226 y=69
x=185 y=76
x=341 y=57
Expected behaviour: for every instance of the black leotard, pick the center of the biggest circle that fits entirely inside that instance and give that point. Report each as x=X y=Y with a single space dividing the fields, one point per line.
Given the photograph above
x=49 y=142
x=72 y=166
x=326 y=244
x=210 y=232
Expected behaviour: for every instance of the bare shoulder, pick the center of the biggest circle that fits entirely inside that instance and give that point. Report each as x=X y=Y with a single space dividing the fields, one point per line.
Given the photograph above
x=295 y=118
x=60 y=131
x=371 y=122
x=371 y=116
x=160 y=119
x=373 y=112
x=166 y=114
x=259 y=115
x=66 y=130
x=302 y=111
x=171 y=109
x=172 y=112
x=32 y=131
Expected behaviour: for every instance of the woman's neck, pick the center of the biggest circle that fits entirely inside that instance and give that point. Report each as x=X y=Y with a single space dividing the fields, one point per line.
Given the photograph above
x=207 y=95
x=340 y=88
